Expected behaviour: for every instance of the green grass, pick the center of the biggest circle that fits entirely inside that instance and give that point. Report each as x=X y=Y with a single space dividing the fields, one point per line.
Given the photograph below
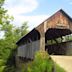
x=42 y=63
x=59 y=69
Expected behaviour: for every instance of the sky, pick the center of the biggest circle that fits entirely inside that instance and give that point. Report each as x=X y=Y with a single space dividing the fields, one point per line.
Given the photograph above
x=35 y=11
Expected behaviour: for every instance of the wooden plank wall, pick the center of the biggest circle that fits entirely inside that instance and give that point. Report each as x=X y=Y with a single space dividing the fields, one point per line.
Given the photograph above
x=28 y=50
x=69 y=48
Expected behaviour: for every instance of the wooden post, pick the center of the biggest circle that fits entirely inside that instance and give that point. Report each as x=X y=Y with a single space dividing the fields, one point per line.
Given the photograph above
x=42 y=42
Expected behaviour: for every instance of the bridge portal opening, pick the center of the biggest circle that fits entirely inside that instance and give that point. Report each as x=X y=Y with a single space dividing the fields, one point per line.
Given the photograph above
x=56 y=41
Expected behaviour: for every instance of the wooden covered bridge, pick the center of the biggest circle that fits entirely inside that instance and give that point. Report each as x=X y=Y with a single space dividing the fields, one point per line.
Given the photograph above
x=49 y=35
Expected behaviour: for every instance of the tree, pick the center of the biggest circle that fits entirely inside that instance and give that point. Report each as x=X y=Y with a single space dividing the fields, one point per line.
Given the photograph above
x=21 y=31
x=8 y=42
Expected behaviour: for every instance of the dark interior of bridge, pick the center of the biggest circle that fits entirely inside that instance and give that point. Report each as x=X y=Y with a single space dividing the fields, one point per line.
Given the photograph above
x=54 y=41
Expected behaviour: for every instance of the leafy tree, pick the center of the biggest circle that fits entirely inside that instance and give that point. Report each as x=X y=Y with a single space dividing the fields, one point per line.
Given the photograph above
x=8 y=42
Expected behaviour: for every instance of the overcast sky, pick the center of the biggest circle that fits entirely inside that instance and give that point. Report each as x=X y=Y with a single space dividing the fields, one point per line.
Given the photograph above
x=35 y=11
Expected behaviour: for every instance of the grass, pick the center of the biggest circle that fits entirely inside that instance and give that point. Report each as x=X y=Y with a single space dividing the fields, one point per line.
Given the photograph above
x=59 y=69
x=42 y=63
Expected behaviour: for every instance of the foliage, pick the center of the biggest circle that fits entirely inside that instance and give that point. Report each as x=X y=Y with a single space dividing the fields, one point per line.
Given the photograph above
x=59 y=69
x=41 y=63
x=8 y=41
x=2 y=68
x=8 y=44
x=60 y=39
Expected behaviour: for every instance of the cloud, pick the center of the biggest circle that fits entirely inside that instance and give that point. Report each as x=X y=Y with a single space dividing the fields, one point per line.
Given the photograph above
x=18 y=7
x=33 y=21
x=21 y=6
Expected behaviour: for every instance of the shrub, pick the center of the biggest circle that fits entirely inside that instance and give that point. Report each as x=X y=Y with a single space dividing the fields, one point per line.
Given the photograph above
x=42 y=63
x=59 y=69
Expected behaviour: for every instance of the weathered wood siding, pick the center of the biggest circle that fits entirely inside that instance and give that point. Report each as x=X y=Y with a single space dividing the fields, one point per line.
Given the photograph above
x=58 y=20
x=40 y=28
x=28 y=50
x=69 y=48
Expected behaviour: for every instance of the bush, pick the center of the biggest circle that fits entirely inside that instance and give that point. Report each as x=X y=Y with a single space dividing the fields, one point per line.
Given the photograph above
x=59 y=69
x=2 y=68
x=42 y=63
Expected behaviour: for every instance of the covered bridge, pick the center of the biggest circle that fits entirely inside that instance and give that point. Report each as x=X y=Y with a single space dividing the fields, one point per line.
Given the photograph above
x=50 y=35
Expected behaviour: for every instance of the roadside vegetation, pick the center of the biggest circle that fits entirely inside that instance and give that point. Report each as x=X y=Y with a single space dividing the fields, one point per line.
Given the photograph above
x=41 y=63
x=10 y=35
